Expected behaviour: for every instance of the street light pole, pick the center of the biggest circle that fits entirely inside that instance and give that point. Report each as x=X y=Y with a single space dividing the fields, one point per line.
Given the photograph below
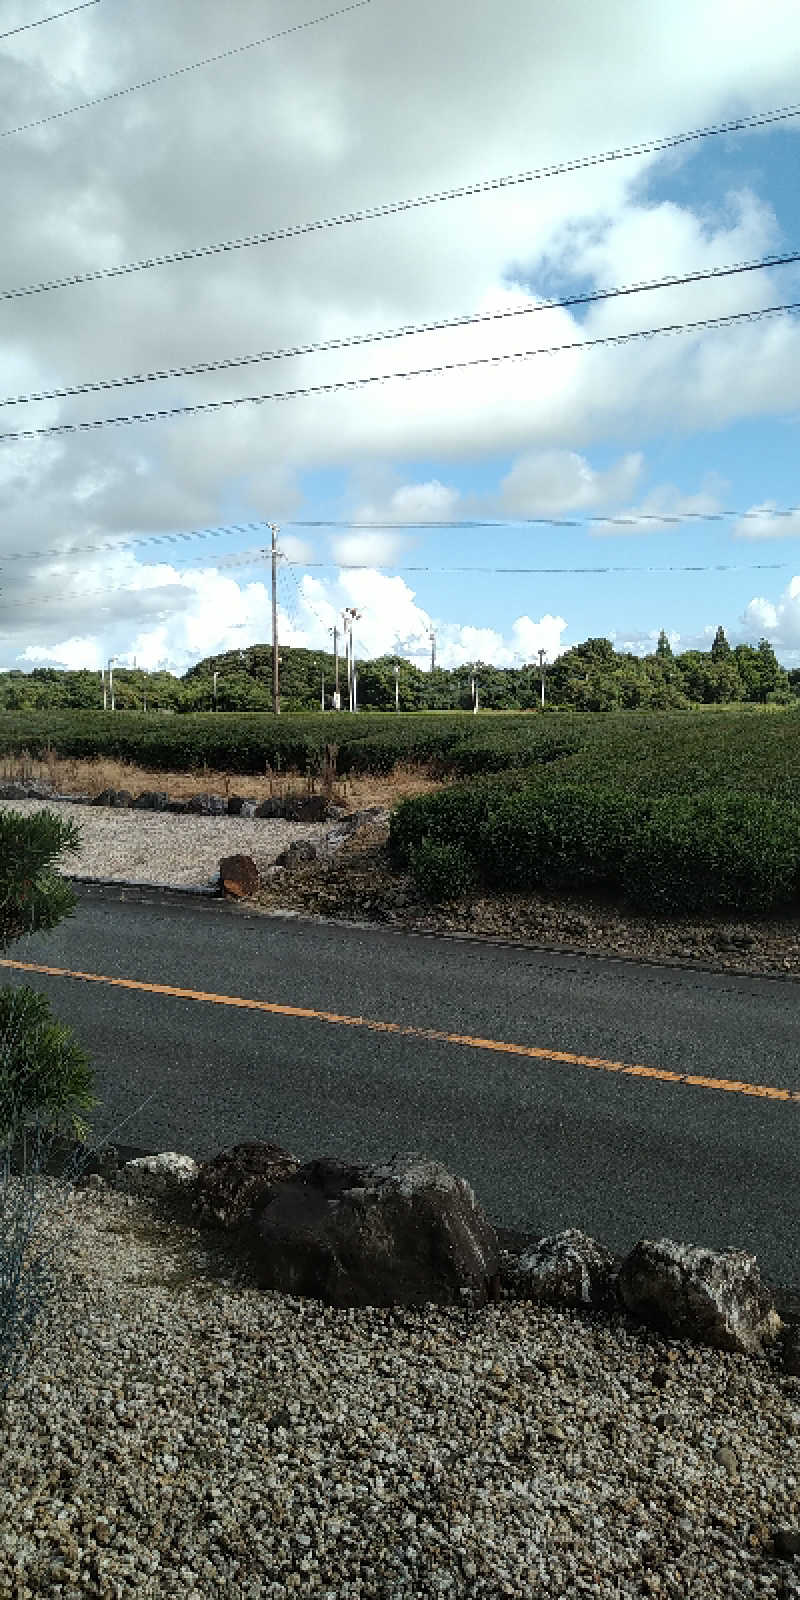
x=111 y=662
x=276 y=700
x=396 y=687
x=542 y=654
x=215 y=675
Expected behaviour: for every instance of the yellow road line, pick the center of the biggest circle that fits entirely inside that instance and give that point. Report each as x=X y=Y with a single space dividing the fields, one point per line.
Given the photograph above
x=501 y=1046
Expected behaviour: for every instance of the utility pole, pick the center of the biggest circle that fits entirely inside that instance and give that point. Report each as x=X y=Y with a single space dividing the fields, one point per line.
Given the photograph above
x=542 y=654
x=336 y=697
x=215 y=675
x=432 y=637
x=474 y=686
x=276 y=699
x=396 y=687
x=349 y=616
x=323 y=691
x=103 y=681
x=111 y=661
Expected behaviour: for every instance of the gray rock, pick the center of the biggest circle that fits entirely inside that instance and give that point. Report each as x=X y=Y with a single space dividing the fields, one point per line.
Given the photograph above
x=305 y=808
x=239 y=1180
x=567 y=1269
x=151 y=800
x=179 y=807
x=714 y=1297
x=27 y=789
x=208 y=805
x=407 y=1233
x=239 y=806
x=298 y=854
x=120 y=798
x=273 y=807
x=786 y=1543
x=791 y=1350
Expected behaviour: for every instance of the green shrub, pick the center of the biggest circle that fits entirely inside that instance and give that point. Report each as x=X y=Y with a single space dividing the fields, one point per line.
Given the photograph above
x=441 y=872
x=714 y=851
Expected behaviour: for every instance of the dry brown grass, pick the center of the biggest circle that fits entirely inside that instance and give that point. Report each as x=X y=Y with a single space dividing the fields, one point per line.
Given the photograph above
x=91 y=777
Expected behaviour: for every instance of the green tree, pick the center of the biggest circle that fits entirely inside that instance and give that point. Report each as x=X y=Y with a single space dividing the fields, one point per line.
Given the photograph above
x=720 y=649
x=664 y=648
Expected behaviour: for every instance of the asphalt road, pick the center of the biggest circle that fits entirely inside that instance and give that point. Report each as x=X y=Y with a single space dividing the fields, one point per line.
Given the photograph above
x=546 y=1144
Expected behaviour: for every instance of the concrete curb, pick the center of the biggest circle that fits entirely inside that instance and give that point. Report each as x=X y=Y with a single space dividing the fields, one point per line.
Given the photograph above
x=201 y=891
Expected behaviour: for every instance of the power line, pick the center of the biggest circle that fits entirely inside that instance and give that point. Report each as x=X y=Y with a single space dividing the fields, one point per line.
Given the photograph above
x=24 y=26
x=230 y=530
x=394 y=207
x=376 y=566
x=177 y=72
x=226 y=363
x=206 y=406
x=175 y=583
x=556 y=522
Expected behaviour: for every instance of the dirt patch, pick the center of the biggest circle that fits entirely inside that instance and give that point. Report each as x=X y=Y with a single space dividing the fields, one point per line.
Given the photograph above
x=360 y=885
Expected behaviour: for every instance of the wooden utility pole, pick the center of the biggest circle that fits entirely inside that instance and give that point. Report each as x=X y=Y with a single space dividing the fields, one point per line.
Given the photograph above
x=276 y=698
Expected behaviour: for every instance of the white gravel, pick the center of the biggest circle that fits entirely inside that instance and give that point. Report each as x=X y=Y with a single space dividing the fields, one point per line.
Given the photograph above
x=161 y=847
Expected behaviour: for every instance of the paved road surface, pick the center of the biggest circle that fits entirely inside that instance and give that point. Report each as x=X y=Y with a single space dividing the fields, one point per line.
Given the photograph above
x=545 y=1143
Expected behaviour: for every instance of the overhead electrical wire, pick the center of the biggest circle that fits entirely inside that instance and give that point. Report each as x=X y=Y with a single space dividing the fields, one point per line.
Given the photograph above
x=207 y=406
x=230 y=530
x=348 y=341
x=177 y=72
x=174 y=583
x=54 y=17
x=395 y=207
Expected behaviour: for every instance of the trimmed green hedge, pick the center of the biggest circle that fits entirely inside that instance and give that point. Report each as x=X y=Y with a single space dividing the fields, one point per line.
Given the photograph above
x=676 y=852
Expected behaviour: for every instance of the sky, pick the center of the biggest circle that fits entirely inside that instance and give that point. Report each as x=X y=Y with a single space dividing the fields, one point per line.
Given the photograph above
x=380 y=104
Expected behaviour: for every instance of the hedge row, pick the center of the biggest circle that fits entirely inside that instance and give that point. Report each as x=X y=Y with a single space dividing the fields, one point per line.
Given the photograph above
x=666 y=752
x=238 y=742
x=716 y=851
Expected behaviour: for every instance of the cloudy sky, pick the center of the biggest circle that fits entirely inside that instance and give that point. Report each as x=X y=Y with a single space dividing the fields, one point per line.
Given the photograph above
x=380 y=104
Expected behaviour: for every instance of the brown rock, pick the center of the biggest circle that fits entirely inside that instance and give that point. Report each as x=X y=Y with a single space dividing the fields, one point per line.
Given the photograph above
x=238 y=876
x=407 y=1233
x=238 y=1180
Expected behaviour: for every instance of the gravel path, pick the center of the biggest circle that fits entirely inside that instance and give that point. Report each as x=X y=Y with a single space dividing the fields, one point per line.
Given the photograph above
x=177 y=1432
x=164 y=848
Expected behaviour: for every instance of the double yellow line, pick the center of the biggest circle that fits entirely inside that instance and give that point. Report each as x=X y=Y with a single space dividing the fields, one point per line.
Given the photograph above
x=499 y=1046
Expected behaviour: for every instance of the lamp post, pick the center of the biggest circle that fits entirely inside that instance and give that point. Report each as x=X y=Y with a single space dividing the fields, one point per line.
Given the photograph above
x=542 y=654
x=112 y=660
x=214 y=675
x=396 y=687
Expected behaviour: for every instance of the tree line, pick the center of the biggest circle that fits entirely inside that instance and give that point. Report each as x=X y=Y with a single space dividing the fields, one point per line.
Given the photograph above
x=592 y=676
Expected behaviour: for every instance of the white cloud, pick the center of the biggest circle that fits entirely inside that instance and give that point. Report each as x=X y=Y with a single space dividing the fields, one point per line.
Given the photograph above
x=760 y=523
x=552 y=481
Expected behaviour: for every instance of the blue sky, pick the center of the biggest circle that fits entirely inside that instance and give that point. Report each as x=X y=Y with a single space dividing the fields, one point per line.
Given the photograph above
x=349 y=114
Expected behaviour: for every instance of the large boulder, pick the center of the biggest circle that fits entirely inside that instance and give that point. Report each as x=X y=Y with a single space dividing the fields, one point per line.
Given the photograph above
x=238 y=876
x=564 y=1269
x=151 y=800
x=238 y=1181
x=405 y=1233
x=688 y=1292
